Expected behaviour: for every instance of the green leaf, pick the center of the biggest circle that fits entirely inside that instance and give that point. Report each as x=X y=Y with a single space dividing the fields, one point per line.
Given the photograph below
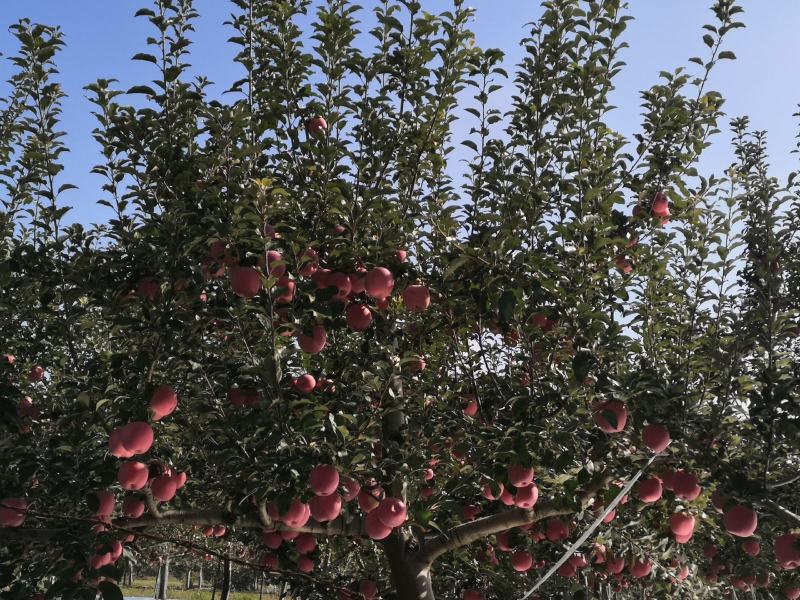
x=145 y=57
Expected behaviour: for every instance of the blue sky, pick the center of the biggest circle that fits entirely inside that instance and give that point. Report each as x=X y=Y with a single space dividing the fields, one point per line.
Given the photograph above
x=102 y=35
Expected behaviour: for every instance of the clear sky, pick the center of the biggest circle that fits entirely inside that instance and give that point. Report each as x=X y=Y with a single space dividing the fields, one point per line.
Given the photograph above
x=764 y=82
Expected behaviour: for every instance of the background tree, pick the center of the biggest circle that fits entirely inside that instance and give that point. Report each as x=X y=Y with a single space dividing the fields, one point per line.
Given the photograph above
x=315 y=312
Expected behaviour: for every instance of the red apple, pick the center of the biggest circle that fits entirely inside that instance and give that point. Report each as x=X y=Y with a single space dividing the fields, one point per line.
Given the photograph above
x=656 y=437
x=309 y=262
x=521 y=561
x=471 y=408
x=13 y=512
x=614 y=565
x=359 y=317
x=417 y=298
x=323 y=480
x=751 y=547
x=641 y=568
x=787 y=551
x=488 y=491
x=133 y=508
x=681 y=524
x=305 y=543
x=526 y=496
x=519 y=476
x=375 y=527
x=740 y=521
x=275 y=265
x=287 y=288
x=163 y=488
x=163 y=402
x=272 y=539
x=660 y=206
x=557 y=530
x=325 y=508
x=130 y=440
x=132 y=475
x=392 y=512
x=685 y=485
x=304 y=384
x=379 y=283
x=106 y=503
x=606 y=412
x=316 y=126
x=36 y=373
x=245 y=281
x=305 y=564
x=148 y=288
x=351 y=487
x=368 y=589
x=650 y=490
x=314 y=343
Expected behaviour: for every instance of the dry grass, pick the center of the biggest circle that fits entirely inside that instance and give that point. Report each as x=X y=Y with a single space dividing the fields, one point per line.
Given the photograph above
x=144 y=588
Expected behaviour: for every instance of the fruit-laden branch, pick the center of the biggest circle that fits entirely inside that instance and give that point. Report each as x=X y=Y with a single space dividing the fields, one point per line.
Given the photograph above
x=466 y=533
x=352 y=527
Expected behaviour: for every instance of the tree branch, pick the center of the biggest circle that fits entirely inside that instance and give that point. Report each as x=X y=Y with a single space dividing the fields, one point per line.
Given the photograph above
x=466 y=533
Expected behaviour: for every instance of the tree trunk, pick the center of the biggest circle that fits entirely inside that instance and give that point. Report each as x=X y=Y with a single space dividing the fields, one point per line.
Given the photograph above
x=411 y=578
x=200 y=577
x=163 y=580
x=188 y=584
x=225 y=591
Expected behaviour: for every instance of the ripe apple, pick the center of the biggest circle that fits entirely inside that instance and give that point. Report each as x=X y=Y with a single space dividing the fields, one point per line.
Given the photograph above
x=392 y=512
x=650 y=490
x=521 y=561
x=132 y=475
x=13 y=512
x=323 y=480
x=787 y=551
x=163 y=488
x=519 y=476
x=163 y=402
x=740 y=521
x=681 y=524
x=368 y=589
x=375 y=527
x=660 y=206
x=417 y=298
x=359 y=317
x=316 y=126
x=132 y=507
x=305 y=564
x=641 y=568
x=245 y=281
x=305 y=543
x=304 y=384
x=275 y=265
x=309 y=262
x=325 y=508
x=286 y=288
x=526 y=496
x=656 y=437
x=314 y=343
x=36 y=373
x=604 y=412
x=131 y=439
x=379 y=283
x=272 y=539
x=106 y=503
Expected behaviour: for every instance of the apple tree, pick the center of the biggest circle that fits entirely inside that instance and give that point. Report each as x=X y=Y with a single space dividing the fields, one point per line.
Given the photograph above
x=391 y=319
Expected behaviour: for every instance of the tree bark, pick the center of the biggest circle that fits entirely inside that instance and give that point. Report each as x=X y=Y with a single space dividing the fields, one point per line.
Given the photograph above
x=411 y=576
x=163 y=582
x=200 y=577
x=225 y=590
x=188 y=584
